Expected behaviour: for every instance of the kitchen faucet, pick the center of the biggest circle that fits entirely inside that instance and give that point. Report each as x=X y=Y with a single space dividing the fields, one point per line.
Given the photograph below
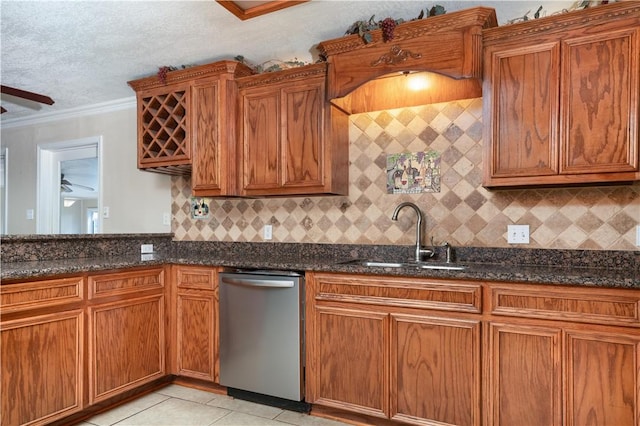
x=419 y=250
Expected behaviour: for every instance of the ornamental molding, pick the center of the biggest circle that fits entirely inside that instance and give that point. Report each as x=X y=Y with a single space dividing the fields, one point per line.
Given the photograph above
x=395 y=56
x=236 y=69
x=451 y=22
x=318 y=70
x=558 y=23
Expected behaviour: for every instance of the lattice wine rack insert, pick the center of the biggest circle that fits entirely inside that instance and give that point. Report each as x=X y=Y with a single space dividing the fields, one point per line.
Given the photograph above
x=164 y=127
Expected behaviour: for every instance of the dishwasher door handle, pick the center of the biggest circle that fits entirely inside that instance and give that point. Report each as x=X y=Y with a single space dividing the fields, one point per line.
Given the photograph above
x=258 y=283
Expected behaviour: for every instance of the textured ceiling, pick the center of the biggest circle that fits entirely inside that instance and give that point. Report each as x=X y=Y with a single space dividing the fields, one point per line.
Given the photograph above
x=82 y=53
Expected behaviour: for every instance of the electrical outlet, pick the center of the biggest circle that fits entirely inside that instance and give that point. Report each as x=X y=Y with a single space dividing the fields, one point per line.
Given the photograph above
x=638 y=235
x=518 y=234
x=105 y=212
x=146 y=248
x=30 y=214
x=267 y=232
x=166 y=218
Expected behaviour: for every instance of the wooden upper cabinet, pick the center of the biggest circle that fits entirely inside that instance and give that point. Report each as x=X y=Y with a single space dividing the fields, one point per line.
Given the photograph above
x=186 y=125
x=561 y=99
x=293 y=141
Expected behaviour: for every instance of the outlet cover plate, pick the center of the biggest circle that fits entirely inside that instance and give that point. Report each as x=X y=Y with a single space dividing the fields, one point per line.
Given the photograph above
x=268 y=232
x=518 y=234
x=146 y=248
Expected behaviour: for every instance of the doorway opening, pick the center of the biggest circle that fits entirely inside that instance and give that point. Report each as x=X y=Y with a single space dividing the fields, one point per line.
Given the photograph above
x=69 y=186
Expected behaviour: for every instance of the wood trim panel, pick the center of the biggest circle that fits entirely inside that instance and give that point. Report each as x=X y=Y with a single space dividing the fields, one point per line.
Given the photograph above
x=42 y=368
x=196 y=278
x=119 y=283
x=38 y=294
x=399 y=292
x=127 y=333
x=600 y=306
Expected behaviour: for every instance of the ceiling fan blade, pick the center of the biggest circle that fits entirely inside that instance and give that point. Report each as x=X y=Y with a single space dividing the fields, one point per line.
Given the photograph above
x=88 y=188
x=65 y=188
x=31 y=96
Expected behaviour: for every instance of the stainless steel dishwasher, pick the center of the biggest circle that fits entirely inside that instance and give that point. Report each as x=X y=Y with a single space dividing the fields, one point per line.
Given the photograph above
x=261 y=320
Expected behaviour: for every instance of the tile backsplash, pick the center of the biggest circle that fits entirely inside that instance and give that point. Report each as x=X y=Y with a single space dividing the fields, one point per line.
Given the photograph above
x=463 y=213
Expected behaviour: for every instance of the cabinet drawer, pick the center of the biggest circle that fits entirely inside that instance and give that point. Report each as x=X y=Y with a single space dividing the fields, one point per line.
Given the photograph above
x=602 y=306
x=405 y=292
x=125 y=282
x=196 y=278
x=38 y=294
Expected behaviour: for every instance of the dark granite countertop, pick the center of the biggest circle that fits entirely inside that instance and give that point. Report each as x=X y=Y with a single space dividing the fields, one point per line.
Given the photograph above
x=477 y=271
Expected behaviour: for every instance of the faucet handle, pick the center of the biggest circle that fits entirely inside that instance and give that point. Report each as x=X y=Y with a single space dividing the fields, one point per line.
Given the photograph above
x=449 y=251
x=430 y=251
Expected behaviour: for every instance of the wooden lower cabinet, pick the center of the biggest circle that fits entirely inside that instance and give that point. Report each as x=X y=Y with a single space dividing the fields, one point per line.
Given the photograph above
x=126 y=331
x=525 y=375
x=435 y=370
x=563 y=375
x=126 y=345
x=562 y=356
x=196 y=319
x=394 y=348
x=41 y=368
x=603 y=377
x=449 y=352
x=351 y=354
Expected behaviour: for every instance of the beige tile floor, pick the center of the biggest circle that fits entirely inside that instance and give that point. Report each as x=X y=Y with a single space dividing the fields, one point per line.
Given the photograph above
x=176 y=405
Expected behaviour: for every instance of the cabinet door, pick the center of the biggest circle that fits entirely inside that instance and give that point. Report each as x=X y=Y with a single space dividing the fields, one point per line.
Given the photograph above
x=600 y=102
x=261 y=139
x=126 y=345
x=41 y=370
x=195 y=334
x=603 y=378
x=350 y=360
x=205 y=172
x=522 y=103
x=524 y=386
x=303 y=154
x=435 y=370
x=196 y=320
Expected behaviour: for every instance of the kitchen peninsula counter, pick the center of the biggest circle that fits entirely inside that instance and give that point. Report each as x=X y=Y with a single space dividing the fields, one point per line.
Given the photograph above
x=541 y=266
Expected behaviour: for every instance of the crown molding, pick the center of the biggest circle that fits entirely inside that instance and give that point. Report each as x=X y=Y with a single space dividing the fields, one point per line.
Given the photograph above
x=100 y=108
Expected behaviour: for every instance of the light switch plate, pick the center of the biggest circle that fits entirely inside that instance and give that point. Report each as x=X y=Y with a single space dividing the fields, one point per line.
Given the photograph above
x=638 y=235
x=518 y=234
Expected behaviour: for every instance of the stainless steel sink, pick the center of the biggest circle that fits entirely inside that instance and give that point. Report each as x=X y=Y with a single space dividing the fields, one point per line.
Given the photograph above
x=421 y=265
x=441 y=266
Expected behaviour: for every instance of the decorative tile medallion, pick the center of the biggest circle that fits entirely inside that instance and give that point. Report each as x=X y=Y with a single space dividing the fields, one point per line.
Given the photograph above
x=200 y=207
x=413 y=173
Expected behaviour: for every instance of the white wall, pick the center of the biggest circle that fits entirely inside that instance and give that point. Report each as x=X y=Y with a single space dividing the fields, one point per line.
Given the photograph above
x=136 y=199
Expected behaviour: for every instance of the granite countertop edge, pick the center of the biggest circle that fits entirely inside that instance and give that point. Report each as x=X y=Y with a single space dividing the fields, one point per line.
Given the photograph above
x=594 y=277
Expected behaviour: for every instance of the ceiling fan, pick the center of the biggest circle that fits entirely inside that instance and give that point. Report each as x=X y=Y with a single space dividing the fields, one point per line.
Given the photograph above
x=30 y=96
x=66 y=186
